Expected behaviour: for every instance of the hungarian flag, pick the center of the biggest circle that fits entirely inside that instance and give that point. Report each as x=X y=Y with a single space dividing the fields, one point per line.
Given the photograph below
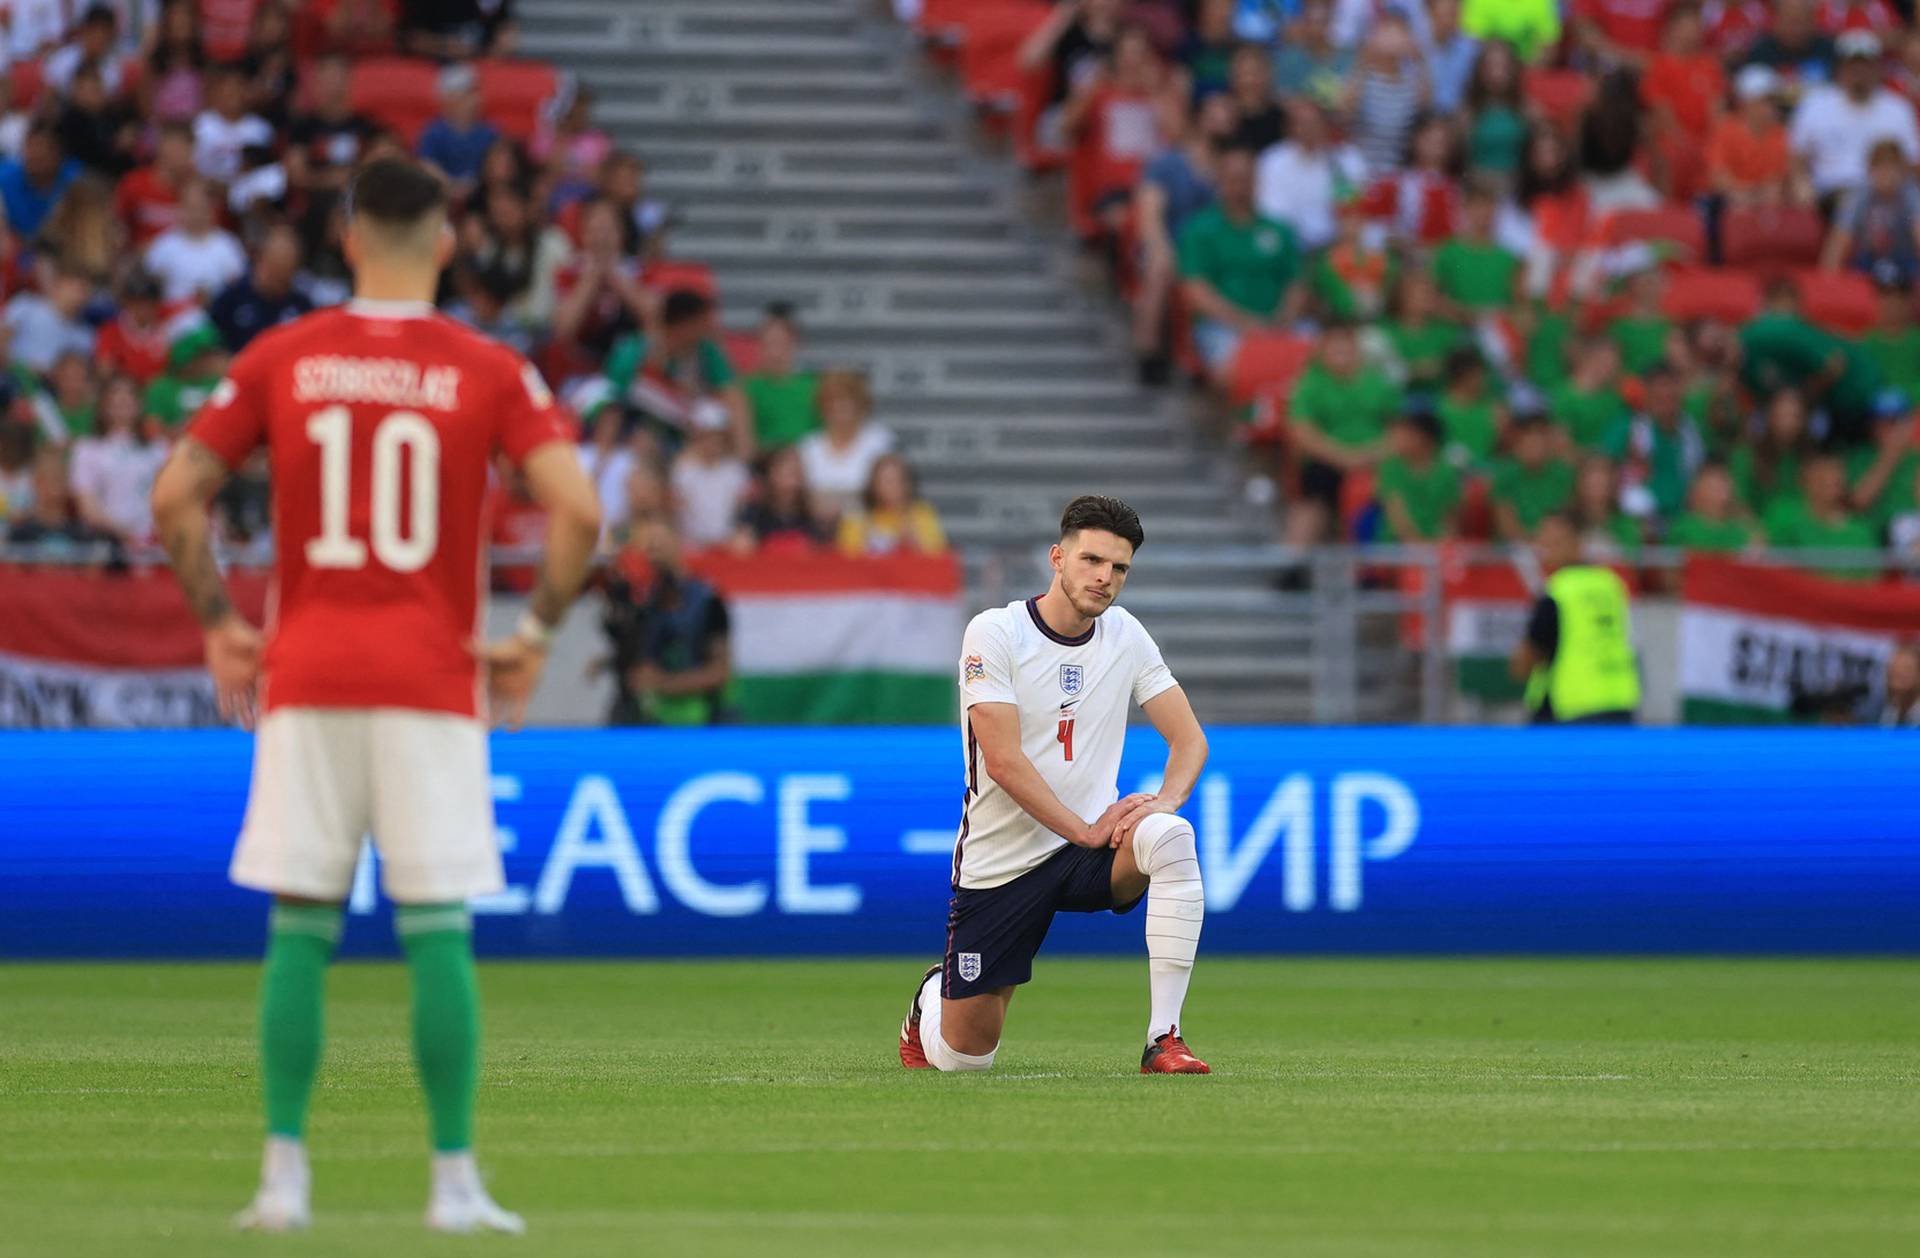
x=1755 y=638
x=1487 y=607
x=92 y=649
x=816 y=639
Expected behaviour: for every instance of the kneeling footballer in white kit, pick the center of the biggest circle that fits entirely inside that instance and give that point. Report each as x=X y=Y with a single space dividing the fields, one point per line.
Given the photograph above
x=1045 y=686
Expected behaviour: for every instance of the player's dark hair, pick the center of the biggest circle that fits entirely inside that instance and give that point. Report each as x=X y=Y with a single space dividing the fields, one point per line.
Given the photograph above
x=782 y=312
x=1109 y=515
x=396 y=193
x=683 y=305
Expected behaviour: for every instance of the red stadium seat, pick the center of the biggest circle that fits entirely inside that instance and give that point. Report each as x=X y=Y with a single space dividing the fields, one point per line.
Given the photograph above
x=1710 y=293
x=514 y=93
x=1676 y=225
x=1772 y=238
x=990 y=51
x=1562 y=95
x=1839 y=301
x=400 y=93
x=1035 y=89
x=1267 y=363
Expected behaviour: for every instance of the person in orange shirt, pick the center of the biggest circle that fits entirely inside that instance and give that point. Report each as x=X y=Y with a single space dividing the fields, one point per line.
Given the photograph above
x=1684 y=84
x=1748 y=162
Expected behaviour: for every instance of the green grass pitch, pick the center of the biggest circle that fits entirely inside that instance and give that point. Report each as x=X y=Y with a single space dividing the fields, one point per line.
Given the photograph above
x=1360 y=1108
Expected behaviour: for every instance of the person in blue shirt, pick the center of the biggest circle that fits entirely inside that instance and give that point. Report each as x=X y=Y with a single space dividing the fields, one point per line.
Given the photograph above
x=33 y=181
x=457 y=141
x=267 y=296
x=1450 y=55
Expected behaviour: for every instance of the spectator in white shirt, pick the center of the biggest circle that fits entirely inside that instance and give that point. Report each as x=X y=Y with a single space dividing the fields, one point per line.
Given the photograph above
x=1837 y=124
x=839 y=458
x=112 y=472
x=93 y=40
x=33 y=26
x=225 y=130
x=194 y=258
x=45 y=326
x=1301 y=180
x=709 y=481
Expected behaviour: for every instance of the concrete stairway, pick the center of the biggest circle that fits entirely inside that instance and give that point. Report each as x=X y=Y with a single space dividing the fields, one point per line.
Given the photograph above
x=813 y=157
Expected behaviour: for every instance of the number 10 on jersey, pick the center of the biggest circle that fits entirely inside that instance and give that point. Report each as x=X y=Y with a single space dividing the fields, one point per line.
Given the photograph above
x=399 y=433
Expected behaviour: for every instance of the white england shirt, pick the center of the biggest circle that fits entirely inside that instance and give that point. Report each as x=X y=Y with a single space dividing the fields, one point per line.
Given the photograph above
x=1072 y=694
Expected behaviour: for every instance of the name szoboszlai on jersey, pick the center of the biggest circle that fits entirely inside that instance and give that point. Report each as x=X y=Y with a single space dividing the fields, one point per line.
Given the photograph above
x=1072 y=694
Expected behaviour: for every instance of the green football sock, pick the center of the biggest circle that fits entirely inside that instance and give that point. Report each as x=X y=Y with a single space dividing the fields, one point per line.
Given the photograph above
x=438 y=939
x=293 y=993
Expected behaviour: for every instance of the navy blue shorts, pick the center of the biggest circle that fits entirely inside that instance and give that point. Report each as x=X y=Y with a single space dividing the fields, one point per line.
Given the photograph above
x=993 y=933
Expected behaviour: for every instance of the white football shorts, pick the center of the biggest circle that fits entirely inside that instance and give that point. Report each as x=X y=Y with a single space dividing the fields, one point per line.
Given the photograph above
x=323 y=778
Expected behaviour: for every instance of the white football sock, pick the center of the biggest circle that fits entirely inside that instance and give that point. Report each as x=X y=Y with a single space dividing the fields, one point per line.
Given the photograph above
x=937 y=1050
x=1163 y=848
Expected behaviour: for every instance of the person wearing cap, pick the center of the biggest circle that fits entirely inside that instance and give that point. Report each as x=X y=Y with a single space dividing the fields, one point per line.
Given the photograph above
x=1837 y=124
x=1577 y=657
x=1748 y=161
x=456 y=142
x=195 y=362
x=1419 y=491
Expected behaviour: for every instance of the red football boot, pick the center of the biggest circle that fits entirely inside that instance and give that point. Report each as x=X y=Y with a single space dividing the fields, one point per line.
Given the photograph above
x=912 y=1056
x=1168 y=1055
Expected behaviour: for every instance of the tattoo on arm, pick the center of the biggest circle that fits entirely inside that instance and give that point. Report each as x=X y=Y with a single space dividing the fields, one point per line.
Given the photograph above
x=188 y=539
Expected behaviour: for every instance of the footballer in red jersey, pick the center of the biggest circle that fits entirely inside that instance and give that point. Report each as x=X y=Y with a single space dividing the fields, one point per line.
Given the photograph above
x=380 y=420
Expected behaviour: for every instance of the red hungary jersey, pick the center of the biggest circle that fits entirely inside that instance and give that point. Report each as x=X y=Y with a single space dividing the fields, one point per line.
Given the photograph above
x=380 y=421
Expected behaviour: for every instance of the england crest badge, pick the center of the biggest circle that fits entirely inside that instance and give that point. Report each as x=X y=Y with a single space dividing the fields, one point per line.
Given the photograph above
x=1072 y=677
x=969 y=966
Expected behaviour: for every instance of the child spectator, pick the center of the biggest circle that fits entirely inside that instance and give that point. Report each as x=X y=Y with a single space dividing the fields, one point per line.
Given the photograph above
x=195 y=258
x=1683 y=83
x=893 y=517
x=783 y=398
x=1588 y=405
x=1302 y=179
x=1533 y=483
x=134 y=341
x=1386 y=93
x=1877 y=228
x=709 y=481
x=1748 y=161
x=780 y=517
x=1714 y=520
x=1659 y=450
x=1419 y=491
x=1471 y=414
x=71 y=391
x=1475 y=275
x=838 y=459
x=1337 y=421
x=457 y=141
x=225 y=130
x=1496 y=123
x=1351 y=277
x=1240 y=269
x=1420 y=338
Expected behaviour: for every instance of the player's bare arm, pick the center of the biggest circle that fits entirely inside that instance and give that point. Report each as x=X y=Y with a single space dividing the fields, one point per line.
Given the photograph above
x=190 y=478
x=996 y=729
x=560 y=485
x=1172 y=717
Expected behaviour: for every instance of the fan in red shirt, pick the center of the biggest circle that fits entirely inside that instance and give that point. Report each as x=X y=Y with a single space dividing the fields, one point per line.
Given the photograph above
x=148 y=198
x=136 y=340
x=1619 y=31
x=1683 y=83
x=380 y=420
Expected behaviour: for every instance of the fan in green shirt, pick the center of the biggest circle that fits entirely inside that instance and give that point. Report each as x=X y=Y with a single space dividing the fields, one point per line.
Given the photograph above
x=1767 y=471
x=1713 y=520
x=1347 y=403
x=1781 y=350
x=1820 y=520
x=781 y=398
x=1588 y=403
x=1880 y=477
x=1894 y=343
x=1419 y=491
x=661 y=372
x=1531 y=485
x=1474 y=272
x=195 y=362
x=1548 y=342
x=1421 y=339
x=1472 y=417
x=1642 y=341
x=1248 y=260
x=1662 y=447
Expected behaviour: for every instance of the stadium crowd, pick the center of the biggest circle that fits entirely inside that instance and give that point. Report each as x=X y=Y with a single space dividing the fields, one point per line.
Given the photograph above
x=1460 y=264
x=173 y=179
